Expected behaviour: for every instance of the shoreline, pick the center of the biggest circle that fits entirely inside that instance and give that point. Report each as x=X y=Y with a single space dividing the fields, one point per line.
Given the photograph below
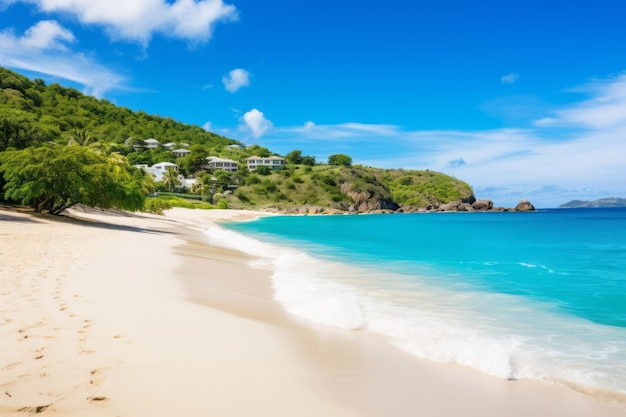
x=137 y=314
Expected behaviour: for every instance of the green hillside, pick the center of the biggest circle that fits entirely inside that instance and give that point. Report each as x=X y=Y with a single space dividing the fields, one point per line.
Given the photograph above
x=32 y=113
x=35 y=115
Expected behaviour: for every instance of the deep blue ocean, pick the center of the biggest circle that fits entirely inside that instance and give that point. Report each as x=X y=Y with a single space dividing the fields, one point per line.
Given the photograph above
x=537 y=295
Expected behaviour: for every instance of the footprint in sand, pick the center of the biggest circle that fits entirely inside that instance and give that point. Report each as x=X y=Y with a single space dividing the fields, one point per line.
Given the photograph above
x=97 y=377
x=11 y=366
x=98 y=401
x=34 y=410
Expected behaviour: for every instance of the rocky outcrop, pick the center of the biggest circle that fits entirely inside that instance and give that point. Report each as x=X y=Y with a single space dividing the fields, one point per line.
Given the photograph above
x=482 y=205
x=367 y=202
x=524 y=205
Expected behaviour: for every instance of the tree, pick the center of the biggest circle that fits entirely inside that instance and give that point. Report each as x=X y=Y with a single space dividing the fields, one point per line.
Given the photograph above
x=308 y=160
x=340 y=159
x=263 y=170
x=193 y=162
x=54 y=178
x=170 y=178
x=294 y=157
x=258 y=151
x=223 y=179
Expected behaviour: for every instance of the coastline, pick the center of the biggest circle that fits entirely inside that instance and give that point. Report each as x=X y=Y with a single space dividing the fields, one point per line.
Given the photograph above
x=136 y=314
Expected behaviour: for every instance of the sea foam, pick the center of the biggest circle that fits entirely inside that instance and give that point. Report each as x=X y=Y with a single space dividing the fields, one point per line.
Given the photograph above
x=501 y=335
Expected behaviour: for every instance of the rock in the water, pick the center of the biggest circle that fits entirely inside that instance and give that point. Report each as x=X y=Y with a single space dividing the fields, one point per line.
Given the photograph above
x=482 y=205
x=524 y=205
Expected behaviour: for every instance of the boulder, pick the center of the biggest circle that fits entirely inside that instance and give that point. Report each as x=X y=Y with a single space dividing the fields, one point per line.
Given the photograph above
x=524 y=205
x=482 y=205
x=452 y=206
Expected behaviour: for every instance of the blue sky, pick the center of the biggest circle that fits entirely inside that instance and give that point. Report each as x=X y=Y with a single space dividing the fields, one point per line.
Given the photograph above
x=519 y=99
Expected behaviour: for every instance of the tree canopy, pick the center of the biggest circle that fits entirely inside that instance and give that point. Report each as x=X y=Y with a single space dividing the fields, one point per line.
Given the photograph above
x=54 y=178
x=33 y=113
x=340 y=159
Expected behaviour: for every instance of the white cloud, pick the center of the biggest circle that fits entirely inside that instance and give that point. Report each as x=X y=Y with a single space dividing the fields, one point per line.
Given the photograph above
x=255 y=121
x=46 y=34
x=236 y=79
x=139 y=20
x=606 y=108
x=505 y=165
x=43 y=49
x=344 y=131
x=509 y=78
x=208 y=126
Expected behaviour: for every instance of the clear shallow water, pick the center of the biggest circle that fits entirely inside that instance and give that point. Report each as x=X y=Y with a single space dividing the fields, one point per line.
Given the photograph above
x=516 y=295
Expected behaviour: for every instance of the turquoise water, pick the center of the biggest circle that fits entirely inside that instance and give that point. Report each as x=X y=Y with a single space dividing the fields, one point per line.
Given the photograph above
x=516 y=295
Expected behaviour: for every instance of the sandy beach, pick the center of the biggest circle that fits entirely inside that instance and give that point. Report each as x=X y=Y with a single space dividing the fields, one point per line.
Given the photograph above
x=118 y=314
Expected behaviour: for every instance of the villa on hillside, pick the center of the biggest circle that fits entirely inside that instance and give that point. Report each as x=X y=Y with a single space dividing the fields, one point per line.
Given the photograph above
x=151 y=143
x=158 y=169
x=179 y=153
x=217 y=163
x=235 y=146
x=274 y=162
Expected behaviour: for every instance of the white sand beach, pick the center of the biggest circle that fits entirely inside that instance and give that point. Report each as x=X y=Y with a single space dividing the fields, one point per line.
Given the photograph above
x=117 y=314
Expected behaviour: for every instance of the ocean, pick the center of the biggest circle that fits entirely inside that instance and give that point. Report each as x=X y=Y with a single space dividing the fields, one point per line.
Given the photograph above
x=538 y=295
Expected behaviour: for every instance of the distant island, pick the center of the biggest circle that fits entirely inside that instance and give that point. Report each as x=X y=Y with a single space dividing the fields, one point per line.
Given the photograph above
x=601 y=203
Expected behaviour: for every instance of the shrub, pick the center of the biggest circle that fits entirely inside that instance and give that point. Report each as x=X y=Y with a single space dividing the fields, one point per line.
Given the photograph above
x=263 y=170
x=253 y=179
x=156 y=205
x=242 y=196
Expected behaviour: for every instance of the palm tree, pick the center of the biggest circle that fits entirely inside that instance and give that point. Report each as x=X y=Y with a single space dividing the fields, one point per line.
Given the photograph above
x=170 y=178
x=84 y=138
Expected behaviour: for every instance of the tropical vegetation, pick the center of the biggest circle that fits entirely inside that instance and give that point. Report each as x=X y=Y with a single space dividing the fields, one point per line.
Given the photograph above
x=59 y=147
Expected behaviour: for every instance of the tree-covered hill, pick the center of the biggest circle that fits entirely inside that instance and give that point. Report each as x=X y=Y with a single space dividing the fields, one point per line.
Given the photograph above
x=349 y=188
x=33 y=113
x=34 y=116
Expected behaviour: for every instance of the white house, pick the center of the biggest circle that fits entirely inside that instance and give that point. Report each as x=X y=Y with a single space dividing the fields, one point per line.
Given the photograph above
x=179 y=153
x=235 y=146
x=159 y=169
x=187 y=182
x=169 y=145
x=151 y=143
x=273 y=162
x=214 y=163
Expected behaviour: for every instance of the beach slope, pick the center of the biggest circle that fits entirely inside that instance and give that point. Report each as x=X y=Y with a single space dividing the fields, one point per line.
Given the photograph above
x=111 y=313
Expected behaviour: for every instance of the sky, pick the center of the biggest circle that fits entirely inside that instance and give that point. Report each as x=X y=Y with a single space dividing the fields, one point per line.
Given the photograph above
x=522 y=100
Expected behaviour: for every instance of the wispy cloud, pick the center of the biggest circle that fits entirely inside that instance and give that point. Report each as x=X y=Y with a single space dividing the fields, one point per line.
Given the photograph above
x=344 y=131
x=138 y=20
x=236 y=79
x=255 y=122
x=604 y=109
x=509 y=78
x=44 y=49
